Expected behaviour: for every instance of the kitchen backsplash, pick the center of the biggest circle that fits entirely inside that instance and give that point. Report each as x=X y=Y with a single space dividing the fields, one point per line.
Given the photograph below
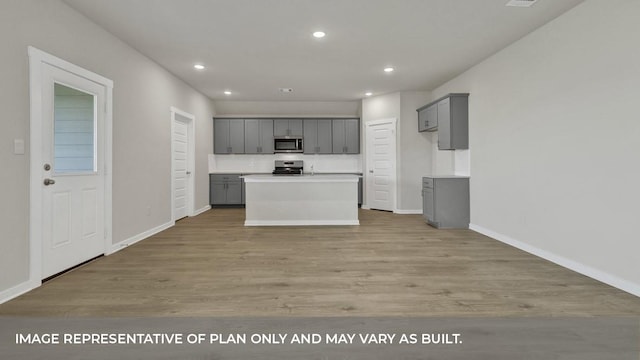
x=243 y=163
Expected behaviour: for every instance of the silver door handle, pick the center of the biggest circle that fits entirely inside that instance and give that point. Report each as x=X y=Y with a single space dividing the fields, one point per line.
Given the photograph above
x=48 y=182
x=371 y=171
x=188 y=172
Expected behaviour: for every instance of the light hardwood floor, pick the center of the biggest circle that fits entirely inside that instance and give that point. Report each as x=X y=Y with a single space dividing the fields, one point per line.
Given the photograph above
x=212 y=265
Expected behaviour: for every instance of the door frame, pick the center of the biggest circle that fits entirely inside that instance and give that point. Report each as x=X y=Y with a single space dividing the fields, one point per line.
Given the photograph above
x=368 y=159
x=37 y=59
x=191 y=153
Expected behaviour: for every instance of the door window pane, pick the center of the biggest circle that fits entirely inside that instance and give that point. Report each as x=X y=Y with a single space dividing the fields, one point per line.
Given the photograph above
x=74 y=131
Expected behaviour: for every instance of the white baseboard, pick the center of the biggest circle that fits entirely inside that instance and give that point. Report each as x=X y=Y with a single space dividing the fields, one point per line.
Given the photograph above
x=201 y=210
x=398 y=211
x=134 y=239
x=602 y=276
x=299 y=222
x=410 y=212
x=16 y=291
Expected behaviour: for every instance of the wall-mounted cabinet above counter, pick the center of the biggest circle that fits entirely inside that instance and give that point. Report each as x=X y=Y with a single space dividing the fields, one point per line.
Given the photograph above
x=287 y=127
x=256 y=135
x=449 y=116
x=317 y=136
x=228 y=136
x=346 y=136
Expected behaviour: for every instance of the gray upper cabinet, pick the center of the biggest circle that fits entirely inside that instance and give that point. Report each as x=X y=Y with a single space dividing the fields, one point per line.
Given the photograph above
x=228 y=136
x=448 y=115
x=453 y=122
x=287 y=127
x=428 y=118
x=317 y=136
x=255 y=136
x=346 y=136
x=258 y=136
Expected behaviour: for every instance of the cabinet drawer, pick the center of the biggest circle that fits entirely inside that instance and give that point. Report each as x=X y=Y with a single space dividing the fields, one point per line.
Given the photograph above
x=427 y=182
x=225 y=177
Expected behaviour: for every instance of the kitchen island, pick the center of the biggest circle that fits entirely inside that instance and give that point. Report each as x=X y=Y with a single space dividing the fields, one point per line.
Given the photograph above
x=281 y=200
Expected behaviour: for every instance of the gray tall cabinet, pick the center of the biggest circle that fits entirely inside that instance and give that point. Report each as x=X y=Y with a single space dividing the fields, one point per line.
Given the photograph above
x=258 y=136
x=317 y=136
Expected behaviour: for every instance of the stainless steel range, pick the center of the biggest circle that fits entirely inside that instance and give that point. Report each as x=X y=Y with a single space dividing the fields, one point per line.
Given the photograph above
x=288 y=167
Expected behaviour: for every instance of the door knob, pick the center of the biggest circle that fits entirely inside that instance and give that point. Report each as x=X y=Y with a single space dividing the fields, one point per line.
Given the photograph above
x=371 y=171
x=188 y=172
x=48 y=182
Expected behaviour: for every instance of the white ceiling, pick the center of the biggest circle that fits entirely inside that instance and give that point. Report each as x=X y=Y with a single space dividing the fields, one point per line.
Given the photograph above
x=255 y=47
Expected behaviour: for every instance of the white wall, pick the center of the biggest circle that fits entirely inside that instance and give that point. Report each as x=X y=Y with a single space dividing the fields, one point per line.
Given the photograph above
x=143 y=94
x=413 y=148
x=265 y=163
x=414 y=151
x=555 y=141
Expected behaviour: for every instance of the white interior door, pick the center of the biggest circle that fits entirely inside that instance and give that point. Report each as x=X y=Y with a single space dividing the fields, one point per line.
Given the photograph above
x=72 y=169
x=381 y=164
x=182 y=154
x=180 y=171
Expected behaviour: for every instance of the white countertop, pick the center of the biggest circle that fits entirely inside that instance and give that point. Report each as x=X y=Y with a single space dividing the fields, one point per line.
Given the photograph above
x=318 y=178
x=447 y=177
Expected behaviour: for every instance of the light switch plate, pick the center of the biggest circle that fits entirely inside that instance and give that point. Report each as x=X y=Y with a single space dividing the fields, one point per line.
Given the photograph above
x=18 y=146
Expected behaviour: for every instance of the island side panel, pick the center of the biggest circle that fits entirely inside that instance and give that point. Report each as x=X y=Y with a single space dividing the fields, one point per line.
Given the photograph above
x=301 y=203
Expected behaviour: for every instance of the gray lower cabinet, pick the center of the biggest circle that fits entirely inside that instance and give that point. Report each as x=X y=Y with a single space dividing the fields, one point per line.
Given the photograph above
x=445 y=202
x=346 y=136
x=226 y=189
x=448 y=115
x=287 y=127
x=258 y=136
x=317 y=136
x=360 y=183
x=228 y=136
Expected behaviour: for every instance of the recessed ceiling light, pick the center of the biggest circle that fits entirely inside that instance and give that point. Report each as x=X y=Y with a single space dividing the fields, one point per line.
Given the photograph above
x=319 y=34
x=227 y=92
x=389 y=69
x=368 y=93
x=198 y=66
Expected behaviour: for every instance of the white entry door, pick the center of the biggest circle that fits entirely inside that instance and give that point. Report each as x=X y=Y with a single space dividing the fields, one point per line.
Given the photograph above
x=381 y=164
x=182 y=153
x=72 y=169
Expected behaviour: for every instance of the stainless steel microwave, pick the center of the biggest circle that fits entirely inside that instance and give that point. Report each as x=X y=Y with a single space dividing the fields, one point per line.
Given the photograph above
x=287 y=144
